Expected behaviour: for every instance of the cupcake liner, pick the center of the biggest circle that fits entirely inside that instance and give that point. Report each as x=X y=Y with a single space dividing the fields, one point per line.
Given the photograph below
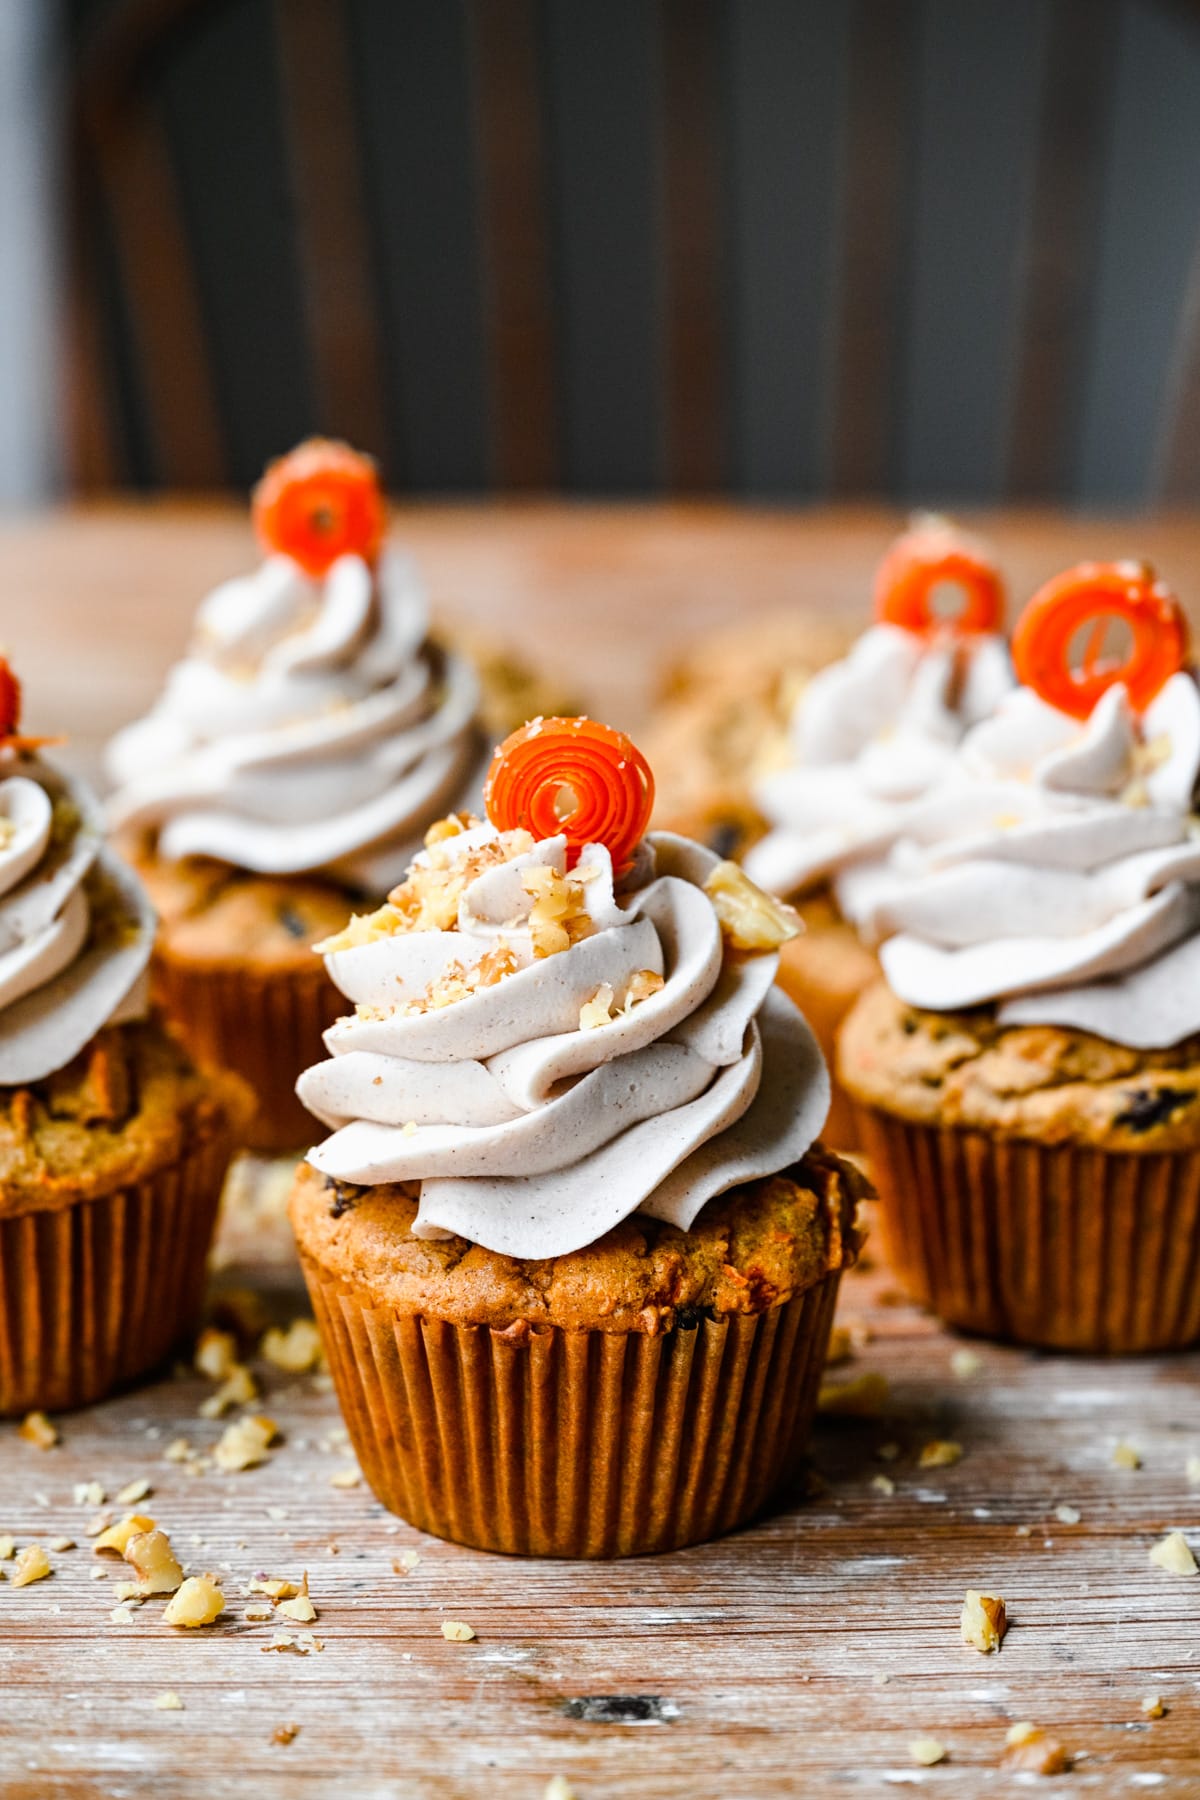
x=1063 y=1246
x=97 y=1292
x=576 y=1443
x=264 y=1025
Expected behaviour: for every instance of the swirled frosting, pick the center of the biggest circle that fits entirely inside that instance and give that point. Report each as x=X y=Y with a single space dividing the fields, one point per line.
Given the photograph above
x=312 y=726
x=75 y=927
x=567 y=1053
x=871 y=735
x=1058 y=874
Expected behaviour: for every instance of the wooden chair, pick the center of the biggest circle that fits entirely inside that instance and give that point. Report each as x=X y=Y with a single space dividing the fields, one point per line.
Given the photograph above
x=789 y=248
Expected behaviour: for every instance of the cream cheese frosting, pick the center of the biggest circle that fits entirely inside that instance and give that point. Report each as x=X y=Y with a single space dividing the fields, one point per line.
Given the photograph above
x=871 y=736
x=1058 y=874
x=75 y=926
x=311 y=727
x=571 y=1051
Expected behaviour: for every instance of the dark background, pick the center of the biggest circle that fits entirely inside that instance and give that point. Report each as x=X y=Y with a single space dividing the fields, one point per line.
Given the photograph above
x=930 y=249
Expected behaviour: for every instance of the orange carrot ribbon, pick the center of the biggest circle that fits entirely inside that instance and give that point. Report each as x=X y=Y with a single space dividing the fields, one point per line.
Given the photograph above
x=320 y=501
x=933 y=556
x=1079 y=604
x=575 y=777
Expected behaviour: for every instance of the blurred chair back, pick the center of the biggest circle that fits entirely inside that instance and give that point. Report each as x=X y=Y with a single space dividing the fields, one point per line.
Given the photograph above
x=784 y=248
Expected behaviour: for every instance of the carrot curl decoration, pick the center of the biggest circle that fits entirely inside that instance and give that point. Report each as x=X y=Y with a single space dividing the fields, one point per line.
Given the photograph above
x=575 y=777
x=1091 y=594
x=10 y=714
x=319 y=502
x=934 y=555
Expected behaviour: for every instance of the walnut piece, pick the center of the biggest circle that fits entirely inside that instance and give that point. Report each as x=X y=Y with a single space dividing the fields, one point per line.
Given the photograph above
x=36 y=1428
x=32 y=1565
x=215 y=1354
x=984 y=1621
x=939 y=1453
x=117 y=1536
x=152 y=1559
x=455 y=1632
x=245 y=1443
x=927 y=1751
x=198 y=1602
x=750 y=918
x=1173 y=1553
x=1124 y=1456
x=1033 y=1750
x=296 y=1350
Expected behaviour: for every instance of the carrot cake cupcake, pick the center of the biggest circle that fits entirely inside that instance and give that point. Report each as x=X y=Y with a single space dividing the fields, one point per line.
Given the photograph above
x=112 y=1148
x=1028 y=1075
x=292 y=765
x=572 y=1244
x=870 y=736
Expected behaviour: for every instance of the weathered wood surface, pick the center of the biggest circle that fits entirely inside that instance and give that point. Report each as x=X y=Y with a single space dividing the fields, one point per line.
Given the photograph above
x=802 y=1656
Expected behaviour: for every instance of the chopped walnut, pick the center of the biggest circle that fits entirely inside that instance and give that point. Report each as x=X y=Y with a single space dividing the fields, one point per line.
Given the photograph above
x=285 y=1734
x=1173 y=1553
x=133 y=1492
x=150 y=1554
x=198 y=1602
x=966 y=1363
x=1192 y=1471
x=927 y=1751
x=275 y=1588
x=36 y=1428
x=168 y=1702
x=245 y=1443
x=559 y=915
x=117 y=1536
x=597 y=1010
x=984 y=1621
x=297 y=1350
x=62 y=1544
x=1033 y=1750
x=238 y=1389
x=939 y=1453
x=89 y=1493
x=32 y=1565
x=1124 y=1456
x=558 y=1788
x=301 y=1609
x=750 y=918
x=862 y=1398
x=1152 y=1706
x=216 y=1354
x=883 y=1484
x=7 y=1549
x=346 y=1478
x=1067 y=1515
x=455 y=1632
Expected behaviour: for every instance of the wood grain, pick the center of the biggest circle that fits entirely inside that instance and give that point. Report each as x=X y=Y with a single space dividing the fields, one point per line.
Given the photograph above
x=801 y=1656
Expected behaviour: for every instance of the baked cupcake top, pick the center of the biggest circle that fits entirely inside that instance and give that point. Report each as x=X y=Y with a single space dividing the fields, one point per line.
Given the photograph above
x=312 y=724
x=877 y=731
x=1058 y=874
x=75 y=926
x=559 y=1021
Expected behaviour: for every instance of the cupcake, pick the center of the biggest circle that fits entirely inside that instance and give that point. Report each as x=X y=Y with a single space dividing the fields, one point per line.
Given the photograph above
x=1027 y=1076
x=112 y=1148
x=297 y=755
x=572 y=1244
x=871 y=736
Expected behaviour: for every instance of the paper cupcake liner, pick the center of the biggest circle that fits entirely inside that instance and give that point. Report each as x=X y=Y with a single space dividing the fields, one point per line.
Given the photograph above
x=576 y=1443
x=1063 y=1246
x=97 y=1292
x=266 y=1027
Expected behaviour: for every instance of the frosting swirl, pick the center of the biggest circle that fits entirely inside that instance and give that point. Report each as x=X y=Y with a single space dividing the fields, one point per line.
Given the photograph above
x=312 y=726
x=1058 y=873
x=546 y=1053
x=871 y=736
x=75 y=927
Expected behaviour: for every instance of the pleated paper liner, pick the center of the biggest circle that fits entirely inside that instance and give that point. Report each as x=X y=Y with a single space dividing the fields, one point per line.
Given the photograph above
x=576 y=1443
x=1062 y=1246
x=98 y=1292
x=265 y=1026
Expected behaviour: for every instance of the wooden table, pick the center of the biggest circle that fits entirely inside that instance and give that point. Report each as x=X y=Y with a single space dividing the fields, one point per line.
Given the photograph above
x=802 y=1656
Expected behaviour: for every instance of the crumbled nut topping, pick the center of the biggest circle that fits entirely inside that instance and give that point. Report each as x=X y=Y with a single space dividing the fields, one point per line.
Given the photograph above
x=1173 y=1553
x=883 y=1484
x=927 y=1751
x=89 y=1493
x=1033 y=1750
x=1124 y=1456
x=428 y=898
x=245 y=1443
x=36 y=1428
x=32 y=1565
x=346 y=1478
x=1152 y=1706
x=1067 y=1515
x=168 y=1702
x=116 y=1537
x=458 y=981
x=133 y=1492
x=750 y=918
x=285 y=1734
x=984 y=1621
x=150 y=1555
x=198 y=1602
x=939 y=1453
x=455 y=1632
x=7 y=1549
x=296 y=1350
x=239 y=1388
x=558 y=1788
x=864 y=1397
x=216 y=1354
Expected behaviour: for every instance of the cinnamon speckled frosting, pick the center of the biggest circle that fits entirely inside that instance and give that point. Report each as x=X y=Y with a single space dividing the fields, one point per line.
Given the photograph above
x=546 y=1052
x=311 y=727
